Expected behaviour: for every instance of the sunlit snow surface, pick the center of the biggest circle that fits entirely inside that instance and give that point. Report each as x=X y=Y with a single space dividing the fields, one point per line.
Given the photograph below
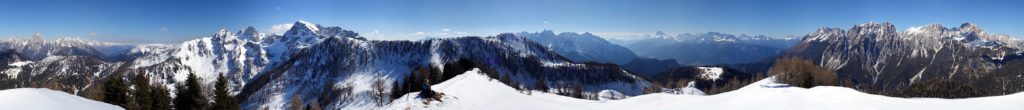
x=474 y=91
x=711 y=73
x=46 y=99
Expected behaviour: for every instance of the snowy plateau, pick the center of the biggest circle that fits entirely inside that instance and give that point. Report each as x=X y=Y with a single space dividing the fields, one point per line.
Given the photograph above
x=475 y=91
x=46 y=99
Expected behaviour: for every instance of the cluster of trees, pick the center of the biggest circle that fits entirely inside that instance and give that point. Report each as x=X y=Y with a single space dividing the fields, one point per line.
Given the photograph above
x=296 y=103
x=942 y=88
x=140 y=94
x=802 y=73
x=678 y=78
x=574 y=90
x=144 y=96
x=733 y=84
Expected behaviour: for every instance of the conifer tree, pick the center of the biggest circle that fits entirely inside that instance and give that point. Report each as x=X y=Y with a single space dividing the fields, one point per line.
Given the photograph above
x=161 y=98
x=143 y=92
x=190 y=95
x=115 y=91
x=222 y=99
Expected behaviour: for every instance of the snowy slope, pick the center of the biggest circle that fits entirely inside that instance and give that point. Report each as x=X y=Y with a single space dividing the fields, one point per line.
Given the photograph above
x=476 y=91
x=46 y=99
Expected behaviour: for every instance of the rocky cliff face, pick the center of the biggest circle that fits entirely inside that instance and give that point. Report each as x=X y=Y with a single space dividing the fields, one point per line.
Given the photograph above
x=887 y=60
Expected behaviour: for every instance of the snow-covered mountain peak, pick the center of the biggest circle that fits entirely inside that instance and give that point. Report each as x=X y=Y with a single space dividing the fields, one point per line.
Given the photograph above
x=928 y=34
x=968 y=26
x=250 y=33
x=223 y=33
x=790 y=37
x=547 y=32
x=873 y=27
x=303 y=28
x=823 y=34
x=926 y=29
x=307 y=24
x=662 y=35
x=335 y=31
x=966 y=33
x=717 y=37
x=587 y=34
x=37 y=48
x=659 y=35
x=581 y=47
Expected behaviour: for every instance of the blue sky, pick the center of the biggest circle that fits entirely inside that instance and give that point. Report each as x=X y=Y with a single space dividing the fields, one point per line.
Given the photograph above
x=168 y=21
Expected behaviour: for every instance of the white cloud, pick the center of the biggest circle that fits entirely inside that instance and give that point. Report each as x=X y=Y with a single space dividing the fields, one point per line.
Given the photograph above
x=416 y=35
x=621 y=35
x=163 y=29
x=426 y=34
x=373 y=35
x=280 y=28
x=460 y=33
x=419 y=33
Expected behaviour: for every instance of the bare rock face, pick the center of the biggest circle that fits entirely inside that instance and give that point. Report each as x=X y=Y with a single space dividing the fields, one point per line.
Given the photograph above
x=888 y=61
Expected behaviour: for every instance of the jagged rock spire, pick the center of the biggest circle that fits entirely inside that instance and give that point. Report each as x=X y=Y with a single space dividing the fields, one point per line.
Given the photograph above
x=249 y=33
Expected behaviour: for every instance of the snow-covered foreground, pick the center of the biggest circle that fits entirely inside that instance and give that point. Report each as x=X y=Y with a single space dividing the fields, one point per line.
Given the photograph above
x=474 y=91
x=46 y=99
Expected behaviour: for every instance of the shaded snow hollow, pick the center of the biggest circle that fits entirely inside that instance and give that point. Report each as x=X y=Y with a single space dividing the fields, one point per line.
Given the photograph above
x=475 y=91
x=46 y=99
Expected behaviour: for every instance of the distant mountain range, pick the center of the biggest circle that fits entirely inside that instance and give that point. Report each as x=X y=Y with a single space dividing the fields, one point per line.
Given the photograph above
x=711 y=48
x=587 y=47
x=582 y=47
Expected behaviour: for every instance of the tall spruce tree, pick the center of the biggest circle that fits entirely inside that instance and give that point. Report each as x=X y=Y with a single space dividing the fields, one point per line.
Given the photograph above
x=143 y=92
x=161 y=98
x=115 y=91
x=222 y=99
x=190 y=95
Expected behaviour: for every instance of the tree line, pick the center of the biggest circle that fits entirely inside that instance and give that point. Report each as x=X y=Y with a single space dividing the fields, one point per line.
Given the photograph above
x=140 y=94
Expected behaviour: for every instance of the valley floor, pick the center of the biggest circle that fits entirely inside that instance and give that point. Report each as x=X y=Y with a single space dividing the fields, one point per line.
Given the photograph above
x=474 y=91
